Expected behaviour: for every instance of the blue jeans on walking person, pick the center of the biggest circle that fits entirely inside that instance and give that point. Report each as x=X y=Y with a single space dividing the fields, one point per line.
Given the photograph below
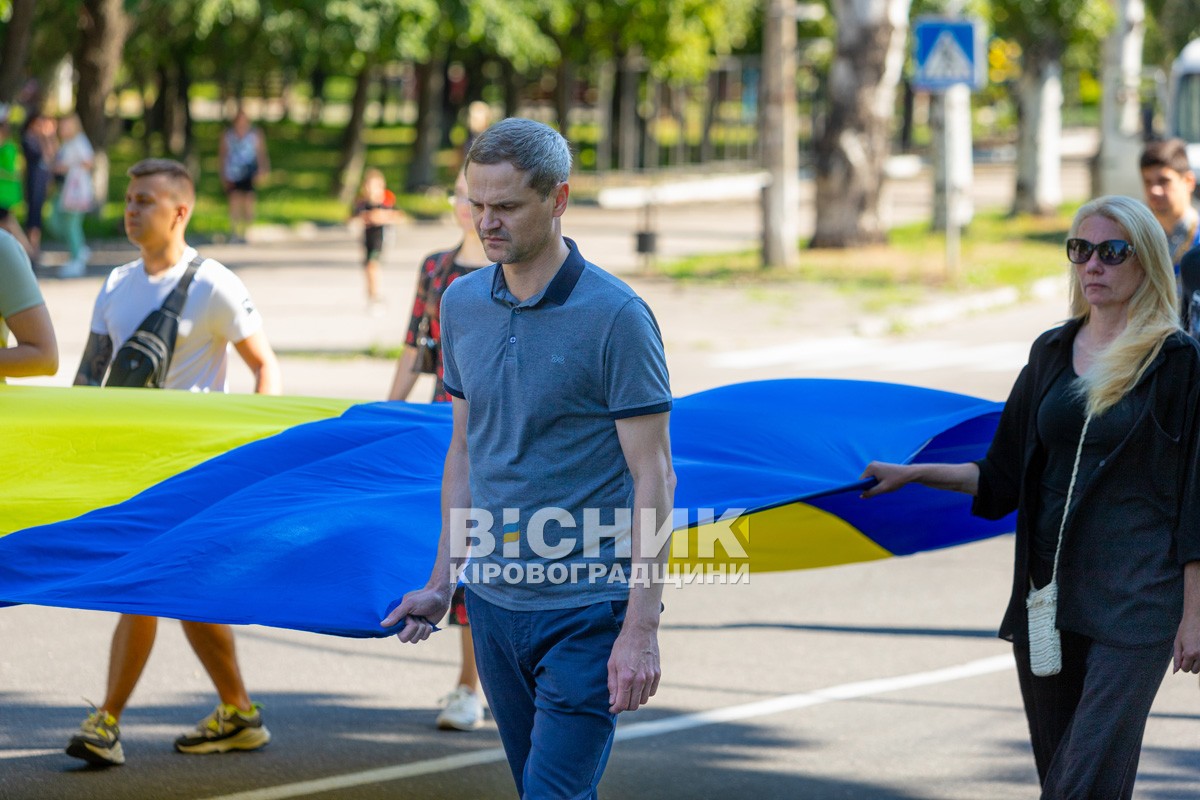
x=545 y=674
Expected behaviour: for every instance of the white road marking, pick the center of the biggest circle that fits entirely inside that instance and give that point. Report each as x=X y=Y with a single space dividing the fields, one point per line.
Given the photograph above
x=28 y=753
x=638 y=730
x=850 y=352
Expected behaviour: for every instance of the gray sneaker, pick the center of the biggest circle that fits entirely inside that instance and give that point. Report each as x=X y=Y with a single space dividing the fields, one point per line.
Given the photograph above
x=226 y=729
x=98 y=741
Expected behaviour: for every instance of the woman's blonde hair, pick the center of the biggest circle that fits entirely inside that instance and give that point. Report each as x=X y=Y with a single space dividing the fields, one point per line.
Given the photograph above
x=1153 y=311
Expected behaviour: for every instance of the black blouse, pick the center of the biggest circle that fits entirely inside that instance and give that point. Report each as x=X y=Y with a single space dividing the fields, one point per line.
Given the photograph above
x=1059 y=423
x=1135 y=517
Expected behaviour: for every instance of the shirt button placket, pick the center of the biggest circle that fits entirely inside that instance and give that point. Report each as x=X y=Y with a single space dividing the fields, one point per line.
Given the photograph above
x=511 y=352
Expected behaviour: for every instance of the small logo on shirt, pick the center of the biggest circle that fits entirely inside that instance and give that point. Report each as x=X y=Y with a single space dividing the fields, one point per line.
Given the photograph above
x=557 y=359
x=247 y=306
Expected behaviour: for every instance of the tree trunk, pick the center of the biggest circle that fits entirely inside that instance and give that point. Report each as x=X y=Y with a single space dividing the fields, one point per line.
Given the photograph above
x=286 y=91
x=512 y=89
x=147 y=114
x=780 y=135
x=316 y=102
x=651 y=157
x=383 y=90
x=627 y=137
x=429 y=93
x=853 y=148
x=354 y=148
x=715 y=95
x=185 y=134
x=174 y=115
x=564 y=90
x=14 y=51
x=679 y=104
x=1039 y=142
x=156 y=114
x=448 y=113
x=605 y=82
x=104 y=25
x=1120 y=124
x=906 y=123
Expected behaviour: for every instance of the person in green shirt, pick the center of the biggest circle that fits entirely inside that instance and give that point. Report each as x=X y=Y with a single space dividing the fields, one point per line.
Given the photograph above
x=10 y=182
x=23 y=311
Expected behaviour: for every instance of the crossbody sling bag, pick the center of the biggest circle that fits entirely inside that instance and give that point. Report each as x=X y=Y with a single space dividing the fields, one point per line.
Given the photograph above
x=143 y=360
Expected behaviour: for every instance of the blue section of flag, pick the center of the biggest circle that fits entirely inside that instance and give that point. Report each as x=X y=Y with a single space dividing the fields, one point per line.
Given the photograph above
x=324 y=526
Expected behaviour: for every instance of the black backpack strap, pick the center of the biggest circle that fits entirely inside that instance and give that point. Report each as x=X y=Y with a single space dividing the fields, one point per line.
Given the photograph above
x=178 y=296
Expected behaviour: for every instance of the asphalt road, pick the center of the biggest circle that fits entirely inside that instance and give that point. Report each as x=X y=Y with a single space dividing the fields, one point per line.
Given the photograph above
x=869 y=681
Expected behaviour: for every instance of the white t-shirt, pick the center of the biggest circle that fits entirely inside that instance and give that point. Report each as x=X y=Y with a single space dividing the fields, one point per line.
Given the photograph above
x=218 y=312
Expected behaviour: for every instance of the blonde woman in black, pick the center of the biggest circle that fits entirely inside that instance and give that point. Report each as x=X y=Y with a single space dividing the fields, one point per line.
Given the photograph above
x=1126 y=553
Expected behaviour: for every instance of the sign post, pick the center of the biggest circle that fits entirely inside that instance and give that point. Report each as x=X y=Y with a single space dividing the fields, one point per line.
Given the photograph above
x=950 y=62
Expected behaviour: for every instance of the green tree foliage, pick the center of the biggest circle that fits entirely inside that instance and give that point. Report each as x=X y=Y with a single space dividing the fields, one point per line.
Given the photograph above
x=1171 y=25
x=1050 y=27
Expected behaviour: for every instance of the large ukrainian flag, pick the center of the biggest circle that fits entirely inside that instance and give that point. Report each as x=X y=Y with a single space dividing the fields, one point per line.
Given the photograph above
x=318 y=514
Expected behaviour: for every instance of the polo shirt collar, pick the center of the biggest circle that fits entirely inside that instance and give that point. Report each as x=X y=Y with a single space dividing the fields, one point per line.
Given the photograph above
x=557 y=291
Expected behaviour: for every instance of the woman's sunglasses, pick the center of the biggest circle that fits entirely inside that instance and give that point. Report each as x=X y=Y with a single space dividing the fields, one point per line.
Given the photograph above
x=1111 y=253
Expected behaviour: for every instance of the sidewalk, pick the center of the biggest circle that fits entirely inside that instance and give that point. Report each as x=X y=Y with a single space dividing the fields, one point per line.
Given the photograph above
x=310 y=290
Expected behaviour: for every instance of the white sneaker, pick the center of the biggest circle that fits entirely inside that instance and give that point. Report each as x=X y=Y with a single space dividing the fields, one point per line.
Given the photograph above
x=74 y=268
x=463 y=711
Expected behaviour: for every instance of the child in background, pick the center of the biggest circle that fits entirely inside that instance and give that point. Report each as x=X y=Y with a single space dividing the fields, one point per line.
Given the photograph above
x=375 y=208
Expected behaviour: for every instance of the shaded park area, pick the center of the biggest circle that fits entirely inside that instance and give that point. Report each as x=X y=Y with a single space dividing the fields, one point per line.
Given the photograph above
x=642 y=89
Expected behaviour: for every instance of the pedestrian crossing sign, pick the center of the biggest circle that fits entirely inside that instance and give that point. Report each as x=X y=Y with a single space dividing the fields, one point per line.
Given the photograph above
x=947 y=52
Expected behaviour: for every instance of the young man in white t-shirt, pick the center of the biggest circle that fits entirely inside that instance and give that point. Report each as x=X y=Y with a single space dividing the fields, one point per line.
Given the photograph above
x=218 y=312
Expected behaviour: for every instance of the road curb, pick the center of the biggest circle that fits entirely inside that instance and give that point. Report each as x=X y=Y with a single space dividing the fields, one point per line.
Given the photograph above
x=951 y=309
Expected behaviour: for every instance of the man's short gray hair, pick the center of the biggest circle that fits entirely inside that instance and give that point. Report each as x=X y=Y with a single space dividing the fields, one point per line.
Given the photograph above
x=531 y=147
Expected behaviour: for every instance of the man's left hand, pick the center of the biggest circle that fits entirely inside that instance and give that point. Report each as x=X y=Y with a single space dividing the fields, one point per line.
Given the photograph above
x=633 y=669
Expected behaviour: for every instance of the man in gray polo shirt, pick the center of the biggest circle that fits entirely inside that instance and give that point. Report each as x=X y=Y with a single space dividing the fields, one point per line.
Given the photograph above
x=558 y=475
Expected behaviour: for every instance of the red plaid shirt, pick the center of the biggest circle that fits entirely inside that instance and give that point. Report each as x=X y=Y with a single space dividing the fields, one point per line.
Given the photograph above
x=436 y=274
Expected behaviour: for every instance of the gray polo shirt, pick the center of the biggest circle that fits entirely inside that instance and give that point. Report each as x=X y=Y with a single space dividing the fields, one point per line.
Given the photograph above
x=546 y=380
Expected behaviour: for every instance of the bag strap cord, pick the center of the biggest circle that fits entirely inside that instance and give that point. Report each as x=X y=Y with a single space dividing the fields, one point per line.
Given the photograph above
x=174 y=303
x=1062 y=526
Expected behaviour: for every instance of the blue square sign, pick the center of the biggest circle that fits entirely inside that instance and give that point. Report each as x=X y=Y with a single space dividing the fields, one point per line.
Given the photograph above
x=948 y=52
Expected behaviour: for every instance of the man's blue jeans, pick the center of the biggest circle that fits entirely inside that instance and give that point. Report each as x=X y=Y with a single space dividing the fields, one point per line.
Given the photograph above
x=545 y=674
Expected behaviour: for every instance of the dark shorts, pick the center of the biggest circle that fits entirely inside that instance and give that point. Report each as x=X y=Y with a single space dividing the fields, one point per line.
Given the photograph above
x=35 y=198
x=245 y=184
x=3 y=214
x=373 y=242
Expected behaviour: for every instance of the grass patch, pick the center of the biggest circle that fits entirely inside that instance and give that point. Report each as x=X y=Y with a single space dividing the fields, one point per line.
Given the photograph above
x=371 y=351
x=299 y=187
x=997 y=250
